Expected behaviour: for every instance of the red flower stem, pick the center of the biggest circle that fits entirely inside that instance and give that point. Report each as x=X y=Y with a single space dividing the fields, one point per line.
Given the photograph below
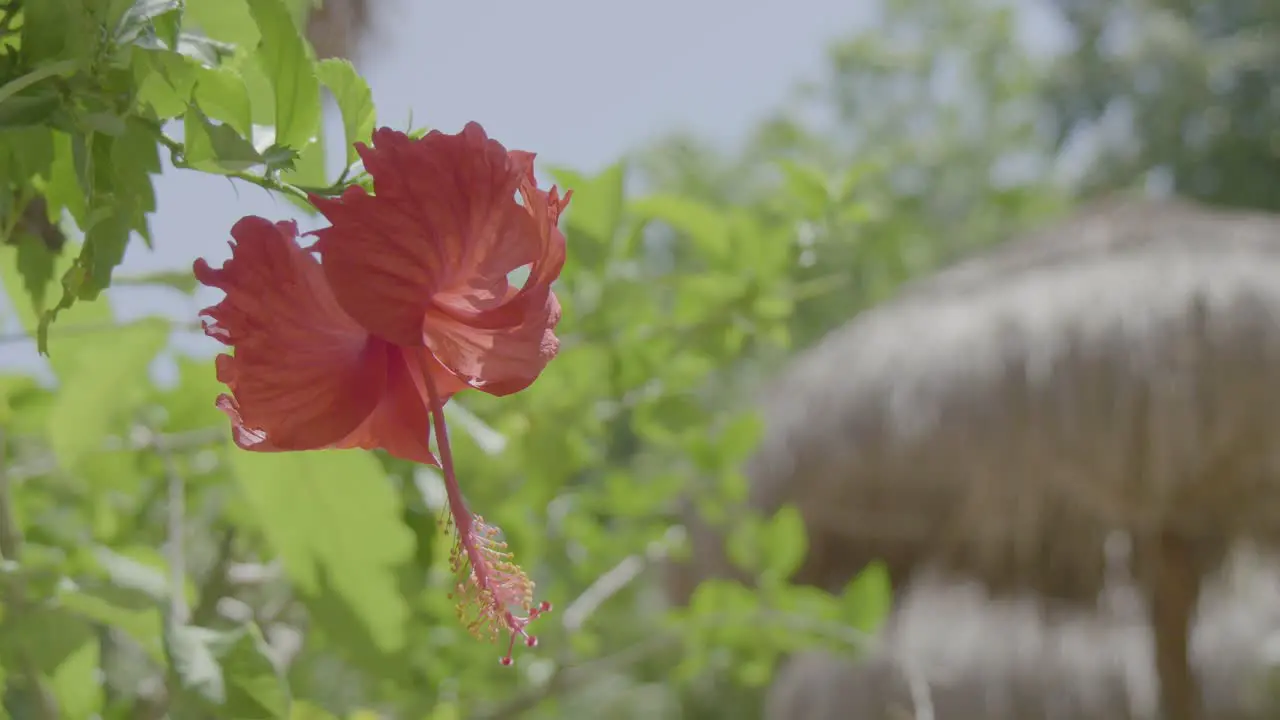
x=462 y=521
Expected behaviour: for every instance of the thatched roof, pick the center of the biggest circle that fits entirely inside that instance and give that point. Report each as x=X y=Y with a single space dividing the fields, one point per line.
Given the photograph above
x=952 y=649
x=1119 y=370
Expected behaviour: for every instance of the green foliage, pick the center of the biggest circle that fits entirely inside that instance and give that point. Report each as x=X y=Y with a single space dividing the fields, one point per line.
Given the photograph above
x=1177 y=98
x=86 y=90
x=205 y=581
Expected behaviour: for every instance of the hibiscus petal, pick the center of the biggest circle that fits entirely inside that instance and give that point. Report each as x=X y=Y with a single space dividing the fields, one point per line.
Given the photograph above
x=499 y=362
x=304 y=375
x=401 y=424
x=501 y=349
x=443 y=219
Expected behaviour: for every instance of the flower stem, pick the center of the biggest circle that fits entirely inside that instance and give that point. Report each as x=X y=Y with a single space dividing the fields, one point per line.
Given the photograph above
x=457 y=506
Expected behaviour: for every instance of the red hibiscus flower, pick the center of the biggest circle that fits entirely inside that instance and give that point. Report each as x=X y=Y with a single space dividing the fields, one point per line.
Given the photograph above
x=359 y=340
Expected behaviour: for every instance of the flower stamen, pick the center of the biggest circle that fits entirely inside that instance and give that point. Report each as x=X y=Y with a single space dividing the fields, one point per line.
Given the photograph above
x=493 y=593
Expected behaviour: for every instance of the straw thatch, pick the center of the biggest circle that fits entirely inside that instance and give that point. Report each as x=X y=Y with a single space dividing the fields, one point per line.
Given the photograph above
x=955 y=652
x=1119 y=371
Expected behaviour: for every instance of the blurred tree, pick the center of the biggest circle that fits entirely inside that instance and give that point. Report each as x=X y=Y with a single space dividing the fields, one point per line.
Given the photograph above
x=1184 y=94
x=922 y=140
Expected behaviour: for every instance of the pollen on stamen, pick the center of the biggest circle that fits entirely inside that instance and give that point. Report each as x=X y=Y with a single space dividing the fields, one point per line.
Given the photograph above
x=492 y=592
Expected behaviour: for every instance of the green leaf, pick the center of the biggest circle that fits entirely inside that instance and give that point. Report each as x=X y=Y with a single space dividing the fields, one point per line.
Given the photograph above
x=164 y=80
x=115 y=173
x=26 y=153
x=75 y=682
x=161 y=19
x=868 y=598
x=597 y=204
x=335 y=522
x=35 y=264
x=143 y=626
x=230 y=673
x=170 y=81
x=703 y=225
x=303 y=710
x=63 y=191
x=784 y=542
x=214 y=147
x=741 y=436
x=181 y=280
x=222 y=95
x=225 y=20
x=307 y=170
x=281 y=158
x=47 y=636
x=354 y=99
x=58 y=29
x=91 y=316
x=808 y=187
x=103 y=388
x=132 y=581
x=285 y=58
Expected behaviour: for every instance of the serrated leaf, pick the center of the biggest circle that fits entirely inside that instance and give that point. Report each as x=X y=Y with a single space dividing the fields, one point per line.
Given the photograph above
x=115 y=174
x=286 y=60
x=215 y=147
x=354 y=99
x=26 y=153
x=169 y=81
x=280 y=158
x=84 y=315
x=35 y=264
x=307 y=170
x=103 y=388
x=335 y=522
x=164 y=80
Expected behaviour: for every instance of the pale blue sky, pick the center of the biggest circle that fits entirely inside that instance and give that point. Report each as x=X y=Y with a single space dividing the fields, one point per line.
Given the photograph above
x=579 y=82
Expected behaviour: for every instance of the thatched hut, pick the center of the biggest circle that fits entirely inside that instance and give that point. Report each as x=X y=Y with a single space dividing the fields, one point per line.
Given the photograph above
x=1116 y=372
x=937 y=659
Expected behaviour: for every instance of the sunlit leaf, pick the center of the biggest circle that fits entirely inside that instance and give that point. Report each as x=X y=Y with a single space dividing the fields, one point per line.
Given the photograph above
x=868 y=598
x=76 y=684
x=102 y=389
x=215 y=147
x=335 y=522
x=54 y=29
x=703 y=225
x=79 y=323
x=286 y=59
x=354 y=100
x=230 y=672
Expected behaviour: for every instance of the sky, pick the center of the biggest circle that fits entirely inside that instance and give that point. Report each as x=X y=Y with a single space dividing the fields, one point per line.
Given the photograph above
x=579 y=82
